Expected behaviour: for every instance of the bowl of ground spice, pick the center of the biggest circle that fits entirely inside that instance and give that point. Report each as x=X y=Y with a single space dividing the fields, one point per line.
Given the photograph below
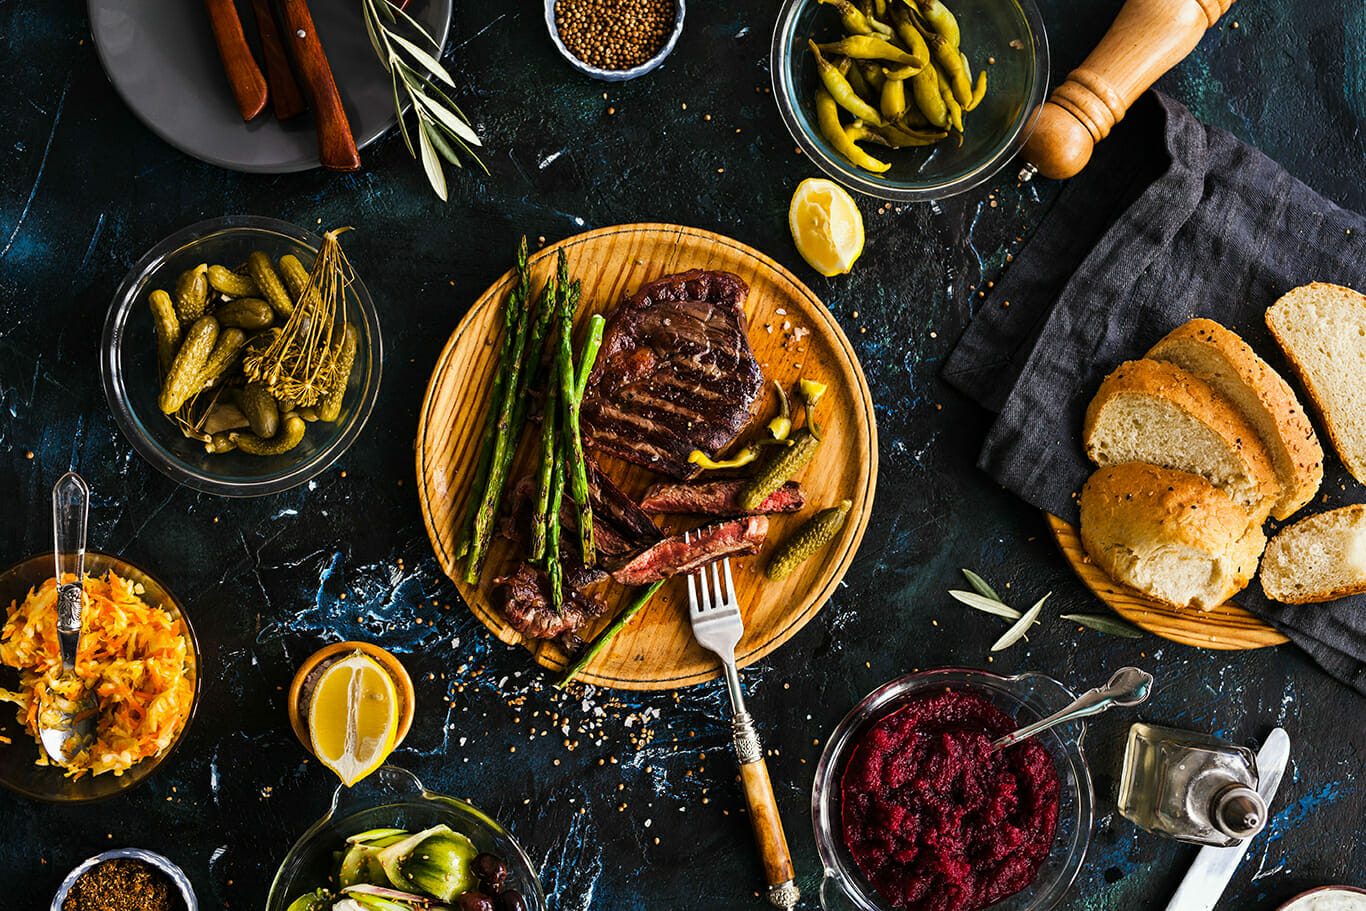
x=128 y=879
x=614 y=40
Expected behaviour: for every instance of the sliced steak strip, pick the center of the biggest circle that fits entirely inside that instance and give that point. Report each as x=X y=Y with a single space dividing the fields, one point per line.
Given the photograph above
x=718 y=498
x=675 y=373
x=612 y=505
x=674 y=556
x=524 y=598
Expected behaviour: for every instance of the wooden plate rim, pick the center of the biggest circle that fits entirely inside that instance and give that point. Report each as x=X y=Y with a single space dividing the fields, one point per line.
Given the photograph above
x=1237 y=628
x=842 y=561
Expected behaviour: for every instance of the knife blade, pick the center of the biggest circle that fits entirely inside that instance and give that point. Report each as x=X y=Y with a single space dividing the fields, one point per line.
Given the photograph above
x=1213 y=867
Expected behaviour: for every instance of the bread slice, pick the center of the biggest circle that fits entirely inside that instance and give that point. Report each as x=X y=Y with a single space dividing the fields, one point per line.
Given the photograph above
x=1319 y=558
x=1155 y=412
x=1170 y=534
x=1322 y=329
x=1223 y=360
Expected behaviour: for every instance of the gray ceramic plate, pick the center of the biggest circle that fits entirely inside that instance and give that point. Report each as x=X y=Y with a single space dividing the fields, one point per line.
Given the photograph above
x=160 y=56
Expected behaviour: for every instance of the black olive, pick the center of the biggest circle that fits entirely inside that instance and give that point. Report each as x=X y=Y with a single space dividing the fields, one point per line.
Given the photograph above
x=474 y=901
x=511 y=901
x=491 y=871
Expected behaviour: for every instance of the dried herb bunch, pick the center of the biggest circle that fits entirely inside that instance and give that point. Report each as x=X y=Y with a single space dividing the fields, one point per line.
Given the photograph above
x=301 y=362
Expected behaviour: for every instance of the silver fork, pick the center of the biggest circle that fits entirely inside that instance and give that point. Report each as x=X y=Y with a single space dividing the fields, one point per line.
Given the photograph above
x=718 y=626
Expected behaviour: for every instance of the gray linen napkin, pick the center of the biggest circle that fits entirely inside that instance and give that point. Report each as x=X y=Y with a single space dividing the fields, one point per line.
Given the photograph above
x=1172 y=219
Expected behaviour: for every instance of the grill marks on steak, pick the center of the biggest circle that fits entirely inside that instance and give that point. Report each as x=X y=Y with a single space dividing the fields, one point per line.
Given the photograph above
x=719 y=498
x=627 y=527
x=524 y=598
x=674 y=556
x=675 y=373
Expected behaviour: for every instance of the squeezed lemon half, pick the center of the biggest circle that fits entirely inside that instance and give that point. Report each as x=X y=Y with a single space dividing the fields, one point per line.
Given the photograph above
x=353 y=717
x=826 y=226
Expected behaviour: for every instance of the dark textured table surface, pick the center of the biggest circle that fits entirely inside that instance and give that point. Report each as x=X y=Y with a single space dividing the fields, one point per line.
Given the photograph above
x=645 y=811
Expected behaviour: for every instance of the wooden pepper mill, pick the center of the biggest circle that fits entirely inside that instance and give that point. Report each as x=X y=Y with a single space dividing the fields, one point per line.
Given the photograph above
x=1148 y=38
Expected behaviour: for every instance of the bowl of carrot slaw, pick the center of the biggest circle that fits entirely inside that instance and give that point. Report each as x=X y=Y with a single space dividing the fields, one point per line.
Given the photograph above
x=138 y=653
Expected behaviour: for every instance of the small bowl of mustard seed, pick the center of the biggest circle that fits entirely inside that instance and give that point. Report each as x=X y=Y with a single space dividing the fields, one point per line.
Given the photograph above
x=127 y=879
x=614 y=40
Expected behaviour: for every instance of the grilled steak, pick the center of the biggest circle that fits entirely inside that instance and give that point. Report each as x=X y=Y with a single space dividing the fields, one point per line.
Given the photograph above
x=705 y=546
x=524 y=598
x=675 y=373
x=719 y=498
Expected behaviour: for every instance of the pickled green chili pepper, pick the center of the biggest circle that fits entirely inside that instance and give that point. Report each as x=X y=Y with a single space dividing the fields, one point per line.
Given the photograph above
x=858 y=131
x=854 y=21
x=842 y=92
x=900 y=72
x=925 y=84
x=870 y=47
x=893 y=102
x=950 y=63
x=855 y=76
x=979 y=91
x=872 y=75
x=951 y=104
x=828 y=116
x=939 y=18
x=901 y=136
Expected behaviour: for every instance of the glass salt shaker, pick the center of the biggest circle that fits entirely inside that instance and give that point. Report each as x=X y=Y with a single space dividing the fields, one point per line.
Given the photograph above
x=1190 y=786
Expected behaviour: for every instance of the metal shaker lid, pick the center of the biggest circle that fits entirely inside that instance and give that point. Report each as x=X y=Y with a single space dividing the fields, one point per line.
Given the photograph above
x=1239 y=812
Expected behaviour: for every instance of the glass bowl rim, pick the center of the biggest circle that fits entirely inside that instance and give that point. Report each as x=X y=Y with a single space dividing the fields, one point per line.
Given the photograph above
x=606 y=75
x=160 y=861
x=838 y=746
x=421 y=796
x=130 y=423
x=847 y=175
x=191 y=637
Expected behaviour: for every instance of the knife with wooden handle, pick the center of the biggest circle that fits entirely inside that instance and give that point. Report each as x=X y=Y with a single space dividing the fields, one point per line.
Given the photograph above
x=284 y=91
x=248 y=85
x=336 y=147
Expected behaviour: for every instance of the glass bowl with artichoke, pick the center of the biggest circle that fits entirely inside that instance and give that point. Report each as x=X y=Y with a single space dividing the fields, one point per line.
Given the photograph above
x=389 y=843
x=241 y=355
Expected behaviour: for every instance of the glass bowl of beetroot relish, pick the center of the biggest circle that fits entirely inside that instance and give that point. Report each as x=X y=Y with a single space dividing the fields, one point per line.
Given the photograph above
x=913 y=810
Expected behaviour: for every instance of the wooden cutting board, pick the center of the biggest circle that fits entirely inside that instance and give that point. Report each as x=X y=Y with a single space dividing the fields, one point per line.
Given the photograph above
x=1227 y=626
x=793 y=335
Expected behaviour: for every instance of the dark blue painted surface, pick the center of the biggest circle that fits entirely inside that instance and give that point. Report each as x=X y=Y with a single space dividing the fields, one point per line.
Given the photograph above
x=644 y=810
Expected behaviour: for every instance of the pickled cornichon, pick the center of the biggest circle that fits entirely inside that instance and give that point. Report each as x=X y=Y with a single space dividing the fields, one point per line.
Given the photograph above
x=780 y=469
x=220 y=317
x=814 y=533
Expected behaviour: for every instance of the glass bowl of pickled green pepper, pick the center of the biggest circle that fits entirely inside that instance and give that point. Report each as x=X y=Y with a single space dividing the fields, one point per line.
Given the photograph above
x=133 y=377
x=835 y=64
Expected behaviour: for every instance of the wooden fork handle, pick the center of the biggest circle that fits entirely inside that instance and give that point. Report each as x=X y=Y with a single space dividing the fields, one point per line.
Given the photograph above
x=763 y=815
x=336 y=147
x=248 y=85
x=284 y=91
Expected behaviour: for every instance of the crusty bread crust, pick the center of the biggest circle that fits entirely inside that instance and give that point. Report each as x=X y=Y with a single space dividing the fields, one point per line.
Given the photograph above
x=1198 y=400
x=1132 y=511
x=1331 y=387
x=1233 y=369
x=1292 y=579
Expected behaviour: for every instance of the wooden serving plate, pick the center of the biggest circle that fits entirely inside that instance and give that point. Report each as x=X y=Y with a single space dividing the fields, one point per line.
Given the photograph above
x=656 y=650
x=1227 y=626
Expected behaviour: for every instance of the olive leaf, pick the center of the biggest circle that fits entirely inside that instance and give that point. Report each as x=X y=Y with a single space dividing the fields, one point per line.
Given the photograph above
x=1101 y=623
x=987 y=605
x=980 y=586
x=1016 y=632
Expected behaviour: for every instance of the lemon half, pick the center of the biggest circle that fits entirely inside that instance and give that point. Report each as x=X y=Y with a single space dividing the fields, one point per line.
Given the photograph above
x=353 y=717
x=826 y=226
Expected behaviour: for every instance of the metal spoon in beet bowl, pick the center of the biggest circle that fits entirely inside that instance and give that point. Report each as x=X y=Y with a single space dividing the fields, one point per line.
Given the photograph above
x=1128 y=686
x=67 y=713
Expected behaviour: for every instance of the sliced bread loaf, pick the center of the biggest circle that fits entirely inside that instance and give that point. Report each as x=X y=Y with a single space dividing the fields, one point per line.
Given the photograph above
x=1170 y=534
x=1318 y=558
x=1224 y=361
x=1322 y=329
x=1155 y=412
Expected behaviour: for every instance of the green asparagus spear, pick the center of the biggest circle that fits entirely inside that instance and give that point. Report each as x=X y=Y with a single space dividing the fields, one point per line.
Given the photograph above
x=541 y=517
x=552 y=544
x=578 y=472
x=590 y=355
x=512 y=313
x=507 y=431
x=606 y=635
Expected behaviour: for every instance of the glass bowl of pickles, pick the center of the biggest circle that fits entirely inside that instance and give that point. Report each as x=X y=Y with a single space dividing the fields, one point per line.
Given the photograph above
x=909 y=100
x=389 y=839
x=241 y=355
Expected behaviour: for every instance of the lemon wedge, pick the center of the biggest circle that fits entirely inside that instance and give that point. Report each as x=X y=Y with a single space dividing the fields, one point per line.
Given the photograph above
x=353 y=717
x=826 y=226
